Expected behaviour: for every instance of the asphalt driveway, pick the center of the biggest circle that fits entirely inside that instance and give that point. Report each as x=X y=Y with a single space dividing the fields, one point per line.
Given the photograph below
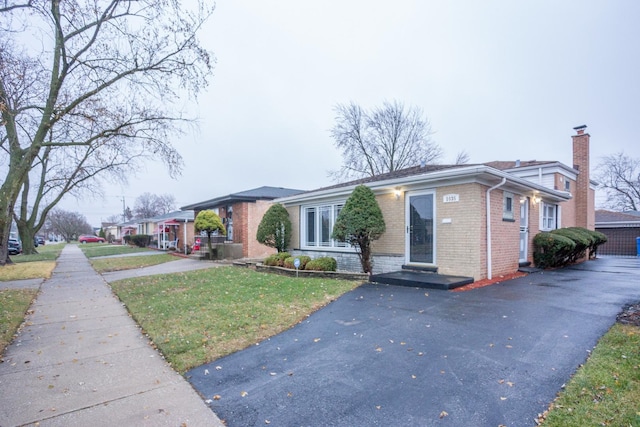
x=385 y=355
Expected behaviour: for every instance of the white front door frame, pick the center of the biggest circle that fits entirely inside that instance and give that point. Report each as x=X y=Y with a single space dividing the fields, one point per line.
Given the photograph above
x=524 y=230
x=409 y=234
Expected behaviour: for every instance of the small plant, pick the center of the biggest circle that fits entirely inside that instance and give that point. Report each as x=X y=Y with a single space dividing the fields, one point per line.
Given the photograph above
x=322 y=264
x=289 y=262
x=276 y=260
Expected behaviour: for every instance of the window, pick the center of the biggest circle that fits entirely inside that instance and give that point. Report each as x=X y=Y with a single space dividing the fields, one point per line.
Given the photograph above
x=318 y=226
x=549 y=216
x=567 y=185
x=507 y=207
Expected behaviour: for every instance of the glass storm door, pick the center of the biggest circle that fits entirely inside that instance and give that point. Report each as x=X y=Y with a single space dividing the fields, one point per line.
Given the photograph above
x=524 y=229
x=420 y=229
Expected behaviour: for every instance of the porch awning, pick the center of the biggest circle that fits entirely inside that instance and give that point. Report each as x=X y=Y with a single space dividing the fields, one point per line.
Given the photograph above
x=169 y=222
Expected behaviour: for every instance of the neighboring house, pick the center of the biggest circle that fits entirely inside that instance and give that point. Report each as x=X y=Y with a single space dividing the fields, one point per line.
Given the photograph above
x=111 y=231
x=469 y=220
x=127 y=228
x=241 y=214
x=171 y=230
x=622 y=229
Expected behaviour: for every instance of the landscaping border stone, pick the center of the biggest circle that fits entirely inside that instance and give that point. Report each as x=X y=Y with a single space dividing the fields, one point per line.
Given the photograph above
x=311 y=273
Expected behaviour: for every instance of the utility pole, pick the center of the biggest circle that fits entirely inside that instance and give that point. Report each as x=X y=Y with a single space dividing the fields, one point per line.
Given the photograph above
x=124 y=211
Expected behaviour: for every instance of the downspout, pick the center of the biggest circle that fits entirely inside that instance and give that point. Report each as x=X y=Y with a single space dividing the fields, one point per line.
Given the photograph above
x=488 y=201
x=185 y=236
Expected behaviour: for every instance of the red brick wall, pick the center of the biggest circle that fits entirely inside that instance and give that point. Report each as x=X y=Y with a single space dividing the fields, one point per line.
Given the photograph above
x=583 y=195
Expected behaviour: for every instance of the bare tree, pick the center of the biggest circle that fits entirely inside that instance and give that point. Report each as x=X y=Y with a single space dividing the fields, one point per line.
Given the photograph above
x=462 y=158
x=148 y=205
x=385 y=139
x=110 y=73
x=619 y=175
x=69 y=225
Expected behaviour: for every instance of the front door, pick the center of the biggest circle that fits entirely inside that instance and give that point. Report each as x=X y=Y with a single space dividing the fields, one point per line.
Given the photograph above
x=420 y=240
x=524 y=229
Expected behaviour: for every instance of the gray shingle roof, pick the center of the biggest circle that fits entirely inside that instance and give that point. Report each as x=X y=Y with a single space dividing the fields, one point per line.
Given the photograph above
x=260 y=193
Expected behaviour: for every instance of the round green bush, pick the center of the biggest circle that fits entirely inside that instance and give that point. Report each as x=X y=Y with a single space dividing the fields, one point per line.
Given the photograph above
x=322 y=264
x=289 y=262
x=276 y=260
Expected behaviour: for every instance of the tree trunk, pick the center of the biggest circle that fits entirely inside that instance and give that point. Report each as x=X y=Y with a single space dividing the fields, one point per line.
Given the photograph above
x=26 y=235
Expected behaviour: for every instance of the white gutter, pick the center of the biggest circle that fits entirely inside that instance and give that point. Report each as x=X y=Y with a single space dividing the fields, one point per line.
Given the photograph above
x=488 y=200
x=185 y=236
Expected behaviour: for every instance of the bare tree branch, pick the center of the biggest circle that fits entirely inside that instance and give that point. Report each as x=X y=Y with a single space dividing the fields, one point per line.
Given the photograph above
x=619 y=175
x=386 y=139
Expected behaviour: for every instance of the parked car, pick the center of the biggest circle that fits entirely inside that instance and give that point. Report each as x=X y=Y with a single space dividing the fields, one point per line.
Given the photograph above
x=88 y=238
x=15 y=247
x=40 y=240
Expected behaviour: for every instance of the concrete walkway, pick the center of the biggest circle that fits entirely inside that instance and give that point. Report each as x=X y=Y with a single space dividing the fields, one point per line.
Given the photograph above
x=81 y=360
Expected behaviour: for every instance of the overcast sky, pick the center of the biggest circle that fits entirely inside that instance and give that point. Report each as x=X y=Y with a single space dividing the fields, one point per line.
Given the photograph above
x=502 y=80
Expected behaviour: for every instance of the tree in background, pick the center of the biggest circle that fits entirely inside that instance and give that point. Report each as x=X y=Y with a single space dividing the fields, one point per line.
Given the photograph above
x=69 y=225
x=275 y=228
x=619 y=175
x=209 y=222
x=385 y=139
x=148 y=205
x=93 y=79
x=359 y=223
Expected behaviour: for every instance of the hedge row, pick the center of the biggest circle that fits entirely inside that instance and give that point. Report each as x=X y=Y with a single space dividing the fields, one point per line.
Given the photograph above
x=140 y=240
x=284 y=259
x=565 y=246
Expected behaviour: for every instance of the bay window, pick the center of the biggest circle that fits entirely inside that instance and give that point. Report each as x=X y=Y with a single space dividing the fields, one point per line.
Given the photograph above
x=317 y=225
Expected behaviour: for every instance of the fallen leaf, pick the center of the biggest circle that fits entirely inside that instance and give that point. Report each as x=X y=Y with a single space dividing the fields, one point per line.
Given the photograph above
x=503 y=398
x=509 y=383
x=378 y=406
x=217 y=397
x=244 y=394
x=378 y=349
x=501 y=382
x=413 y=376
x=443 y=414
x=316 y=339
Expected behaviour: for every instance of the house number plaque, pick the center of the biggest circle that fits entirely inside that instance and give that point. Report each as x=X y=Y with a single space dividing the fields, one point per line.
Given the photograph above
x=451 y=198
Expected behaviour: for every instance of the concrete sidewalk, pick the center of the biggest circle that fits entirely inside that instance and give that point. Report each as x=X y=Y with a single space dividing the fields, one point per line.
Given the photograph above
x=81 y=360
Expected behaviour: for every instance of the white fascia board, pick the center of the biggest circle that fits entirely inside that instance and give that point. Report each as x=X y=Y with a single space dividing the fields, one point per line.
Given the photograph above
x=469 y=174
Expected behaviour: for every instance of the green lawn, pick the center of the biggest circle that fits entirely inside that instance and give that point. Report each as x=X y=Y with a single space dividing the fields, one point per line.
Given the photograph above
x=48 y=252
x=199 y=316
x=13 y=307
x=127 y=263
x=92 y=250
x=606 y=390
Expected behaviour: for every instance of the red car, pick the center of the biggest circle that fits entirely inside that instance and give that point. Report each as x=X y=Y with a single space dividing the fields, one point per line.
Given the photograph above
x=88 y=238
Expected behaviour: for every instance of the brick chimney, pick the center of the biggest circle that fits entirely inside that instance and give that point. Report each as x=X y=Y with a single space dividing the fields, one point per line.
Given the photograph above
x=584 y=199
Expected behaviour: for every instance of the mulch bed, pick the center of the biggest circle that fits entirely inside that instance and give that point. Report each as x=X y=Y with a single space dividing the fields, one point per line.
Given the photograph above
x=630 y=315
x=487 y=282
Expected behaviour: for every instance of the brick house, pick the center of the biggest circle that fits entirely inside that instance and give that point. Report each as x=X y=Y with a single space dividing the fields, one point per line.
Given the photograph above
x=468 y=220
x=241 y=214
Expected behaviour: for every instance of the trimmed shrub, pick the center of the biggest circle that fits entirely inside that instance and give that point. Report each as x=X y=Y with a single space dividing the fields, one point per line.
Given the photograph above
x=288 y=263
x=140 y=240
x=275 y=228
x=597 y=239
x=276 y=260
x=322 y=264
x=552 y=249
x=580 y=238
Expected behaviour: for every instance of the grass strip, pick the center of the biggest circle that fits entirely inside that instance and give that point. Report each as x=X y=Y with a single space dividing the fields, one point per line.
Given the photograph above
x=605 y=391
x=127 y=263
x=92 y=250
x=45 y=253
x=27 y=270
x=14 y=304
x=200 y=316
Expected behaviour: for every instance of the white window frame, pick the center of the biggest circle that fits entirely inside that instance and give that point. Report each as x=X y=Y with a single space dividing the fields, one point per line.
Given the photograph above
x=508 y=214
x=332 y=209
x=547 y=222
